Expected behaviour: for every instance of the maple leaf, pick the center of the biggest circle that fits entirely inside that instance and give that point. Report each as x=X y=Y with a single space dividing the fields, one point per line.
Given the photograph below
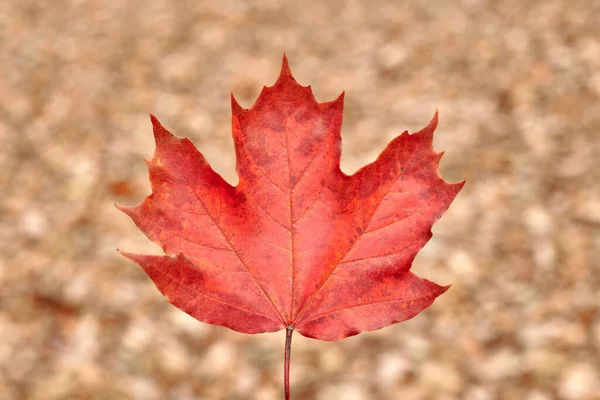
x=297 y=244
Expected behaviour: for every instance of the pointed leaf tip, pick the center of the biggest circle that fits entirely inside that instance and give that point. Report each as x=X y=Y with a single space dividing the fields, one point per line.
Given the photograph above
x=285 y=65
x=154 y=120
x=131 y=256
x=434 y=120
x=427 y=132
x=125 y=210
x=340 y=99
x=160 y=132
x=286 y=72
x=438 y=157
x=142 y=259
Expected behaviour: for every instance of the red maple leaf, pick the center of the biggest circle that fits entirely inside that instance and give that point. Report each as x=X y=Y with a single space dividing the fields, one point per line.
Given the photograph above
x=297 y=244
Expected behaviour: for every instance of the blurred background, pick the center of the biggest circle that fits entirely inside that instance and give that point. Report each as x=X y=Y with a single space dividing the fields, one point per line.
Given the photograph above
x=517 y=84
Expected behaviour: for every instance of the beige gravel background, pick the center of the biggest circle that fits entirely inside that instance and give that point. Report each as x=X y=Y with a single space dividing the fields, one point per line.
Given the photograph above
x=517 y=84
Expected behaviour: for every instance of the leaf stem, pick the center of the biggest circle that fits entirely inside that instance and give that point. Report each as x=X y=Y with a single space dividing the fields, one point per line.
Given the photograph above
x=286 y=363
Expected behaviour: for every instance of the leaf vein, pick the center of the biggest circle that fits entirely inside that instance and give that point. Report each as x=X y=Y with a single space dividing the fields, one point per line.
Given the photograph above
x=337 y=310
x=307 y=304
x=199 y=293
x=196 y=243
x=231 y=247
